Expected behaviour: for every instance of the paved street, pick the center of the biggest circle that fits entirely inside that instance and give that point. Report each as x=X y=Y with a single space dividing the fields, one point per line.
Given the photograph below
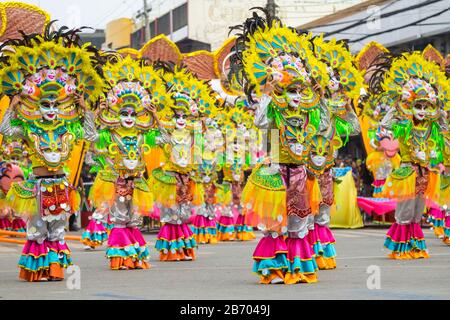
x=223 y=271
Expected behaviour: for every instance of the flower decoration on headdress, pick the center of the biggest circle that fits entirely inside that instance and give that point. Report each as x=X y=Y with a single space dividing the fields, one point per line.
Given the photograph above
x=344 y=76
x=51 y=66
x=191 y=95
x=134 y=86
x=411 y=79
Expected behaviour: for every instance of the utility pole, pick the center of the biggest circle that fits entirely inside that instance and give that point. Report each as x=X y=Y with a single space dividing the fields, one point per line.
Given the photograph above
x=147 y=24
x=271 y=7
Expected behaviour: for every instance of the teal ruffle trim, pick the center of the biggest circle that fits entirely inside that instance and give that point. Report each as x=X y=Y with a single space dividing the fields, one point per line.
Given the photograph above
x=136 y=252
x=227 y=229
x=175 y=245
x=327 y=251
x=204 y=231
x=303 y=266
x=280 y=262
x=95 y=237
x=405 y=246
x=43 y=262
x=243 y=228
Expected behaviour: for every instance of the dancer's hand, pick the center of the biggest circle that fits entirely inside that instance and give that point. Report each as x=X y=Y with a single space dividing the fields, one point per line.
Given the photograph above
x=79 y=99
x=15 y=101
x=318 y=88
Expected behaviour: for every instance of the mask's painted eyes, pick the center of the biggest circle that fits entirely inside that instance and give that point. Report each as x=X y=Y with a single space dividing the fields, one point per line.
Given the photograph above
x=45 y=105
x=292 y=90
x=126 y=114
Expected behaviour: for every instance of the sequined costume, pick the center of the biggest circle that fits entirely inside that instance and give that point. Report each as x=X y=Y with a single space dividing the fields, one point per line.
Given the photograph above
x=204 y=222
x=51 y=80
x=420 y=91
x=344 y=87
x=181 y=142
x=237 y=128
x=126 y=132
x=278 y=66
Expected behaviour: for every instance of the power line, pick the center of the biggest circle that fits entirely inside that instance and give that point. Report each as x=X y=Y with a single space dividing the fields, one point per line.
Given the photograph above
x=402 y=27
x=112 y=12
x=384 y=15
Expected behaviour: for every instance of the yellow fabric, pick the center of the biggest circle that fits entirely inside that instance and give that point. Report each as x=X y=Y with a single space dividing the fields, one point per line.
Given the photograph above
x=21 y=206
x=153 y=159
x=75 y=162
x=377 y=159
x=433 y=189
x=315 y=195
x=75 y=200
x=223 y=196
x=400 y=189
x=345 y=212
x=263 y=206
x=444 y=198
x=365 y=125
x=164 y=193
x=144 y=200
x=198 y=193
x=102 y=192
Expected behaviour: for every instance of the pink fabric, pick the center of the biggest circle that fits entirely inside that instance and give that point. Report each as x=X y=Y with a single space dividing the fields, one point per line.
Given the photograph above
x=299 y=248
x=324 y=234
x=172 y=232
x=403 y=233
x=240 y=221
x=18 y=223
x=203 y=222
x=5 y=224
x=312 y=236
x=193 y=215
x=437 y=214
x=156 y=213
x=57 y=246
x=226 y=221
x=376 y=205
x=36 y=249
x=138 y=236
x=447 y=222
x=235 y=212
x=121 y=238
x=94 y=227
x=268 y=247
x=379 y=183
x=320 y=233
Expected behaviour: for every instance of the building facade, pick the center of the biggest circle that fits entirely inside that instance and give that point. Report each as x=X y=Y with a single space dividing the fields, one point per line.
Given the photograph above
x=204 y=24
x=399 y=25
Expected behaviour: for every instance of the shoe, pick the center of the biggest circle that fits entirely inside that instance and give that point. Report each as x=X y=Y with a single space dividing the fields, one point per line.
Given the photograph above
x=277 y=281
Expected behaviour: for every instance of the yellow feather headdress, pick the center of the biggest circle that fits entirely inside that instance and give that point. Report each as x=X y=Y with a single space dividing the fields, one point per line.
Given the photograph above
x=340 y=62
x=136 y=85
x=281 y=54
x=412 y=77
x=190 y=94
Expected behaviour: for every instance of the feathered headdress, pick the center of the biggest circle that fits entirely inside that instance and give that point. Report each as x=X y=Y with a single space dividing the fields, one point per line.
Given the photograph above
x=52 y=65
x=133 y=84
x=267 y=51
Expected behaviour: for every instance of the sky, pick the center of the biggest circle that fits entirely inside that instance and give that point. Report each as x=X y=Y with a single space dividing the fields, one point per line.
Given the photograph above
x=91 y=13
